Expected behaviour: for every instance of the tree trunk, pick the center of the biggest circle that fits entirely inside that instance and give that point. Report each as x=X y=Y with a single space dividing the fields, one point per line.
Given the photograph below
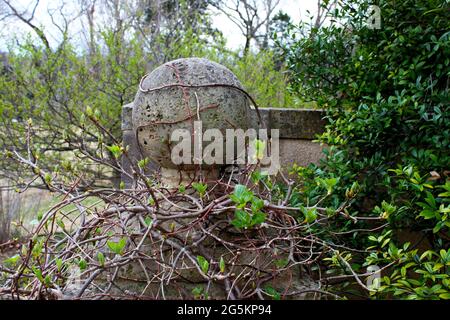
x=247 y=45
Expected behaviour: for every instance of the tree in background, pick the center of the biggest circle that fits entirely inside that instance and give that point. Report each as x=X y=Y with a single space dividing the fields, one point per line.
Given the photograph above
x=156 y=24
x=253 y=18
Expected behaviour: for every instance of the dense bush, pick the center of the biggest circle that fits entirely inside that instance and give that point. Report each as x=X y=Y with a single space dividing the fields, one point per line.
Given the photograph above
x=386 y=93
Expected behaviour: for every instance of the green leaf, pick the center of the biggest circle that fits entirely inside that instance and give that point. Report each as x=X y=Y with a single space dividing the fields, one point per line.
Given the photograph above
x=385 y=242
x=59 y=264
x=200 y=188
x=258 y=218
x=115 y=150
x=48 y=178
x=38 y=273
x=241 y=219
x=259 y=149
x=328 y=183
x=430 y=200
x=428 y=214
x=48 y=281
x=310 y=214
x=143 y=163
x=117 y=247
x=197 y=292
x=273 y=293
x=203 y=263
x=222 y=265
x=257 y=176
x=388 y=209
x=148 y=221
x=445 y=296
x=12 y=261
x=241 y=195
x=257 y=204
x=61 y=224
x=101 y=258
x=82 y=264
x=89 y=111
x=437 y=227
x=444 y=255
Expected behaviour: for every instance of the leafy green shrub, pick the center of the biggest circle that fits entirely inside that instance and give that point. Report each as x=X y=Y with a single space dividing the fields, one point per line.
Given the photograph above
x=386 y=94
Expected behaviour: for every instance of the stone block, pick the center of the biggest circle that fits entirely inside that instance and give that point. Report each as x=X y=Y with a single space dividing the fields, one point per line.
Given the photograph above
x=292 y=123
x=127 y=111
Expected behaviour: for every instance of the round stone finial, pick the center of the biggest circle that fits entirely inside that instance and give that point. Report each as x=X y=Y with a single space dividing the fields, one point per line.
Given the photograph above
x=179 y=93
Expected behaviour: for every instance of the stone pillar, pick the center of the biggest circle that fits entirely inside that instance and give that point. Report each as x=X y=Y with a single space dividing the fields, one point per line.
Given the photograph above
x=160 y=107
x=297 y=130
x=129 y=141
x=186 y=96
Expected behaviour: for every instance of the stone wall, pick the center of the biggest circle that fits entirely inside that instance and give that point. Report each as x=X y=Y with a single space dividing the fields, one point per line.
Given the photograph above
x=298 y=127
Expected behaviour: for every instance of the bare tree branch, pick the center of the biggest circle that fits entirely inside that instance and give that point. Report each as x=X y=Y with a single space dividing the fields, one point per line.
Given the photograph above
x=29 y=21
x=249 y=18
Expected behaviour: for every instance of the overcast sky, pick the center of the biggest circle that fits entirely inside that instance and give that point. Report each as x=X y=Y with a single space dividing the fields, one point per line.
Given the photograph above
x=297 y=9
